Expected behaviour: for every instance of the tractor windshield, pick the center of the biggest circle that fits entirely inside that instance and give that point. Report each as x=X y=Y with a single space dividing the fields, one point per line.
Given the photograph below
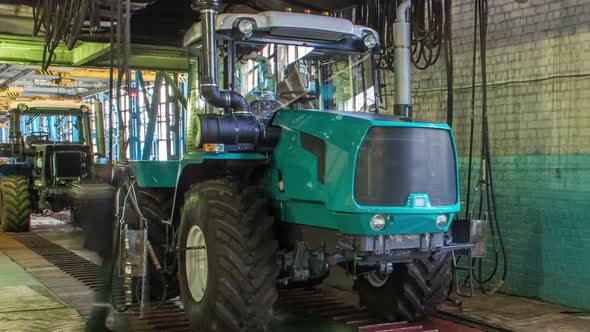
x=299 y=77
x=58 y=128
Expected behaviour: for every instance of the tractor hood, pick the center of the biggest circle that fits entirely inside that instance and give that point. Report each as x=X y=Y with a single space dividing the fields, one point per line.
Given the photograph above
x=364 y=162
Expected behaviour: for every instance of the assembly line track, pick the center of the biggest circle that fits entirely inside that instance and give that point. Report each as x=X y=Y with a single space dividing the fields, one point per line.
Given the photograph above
x=170 y=316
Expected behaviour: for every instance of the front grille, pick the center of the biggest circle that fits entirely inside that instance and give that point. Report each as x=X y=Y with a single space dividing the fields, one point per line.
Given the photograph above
x=394 y=162
x=67 y=164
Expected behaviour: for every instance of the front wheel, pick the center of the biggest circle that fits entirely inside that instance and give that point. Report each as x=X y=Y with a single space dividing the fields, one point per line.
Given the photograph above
x=227 y=267
x=15 y=204
x=412 y=291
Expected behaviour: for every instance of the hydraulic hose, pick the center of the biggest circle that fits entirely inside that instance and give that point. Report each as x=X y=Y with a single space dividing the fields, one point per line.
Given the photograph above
x=486 y=174
x=220 y=98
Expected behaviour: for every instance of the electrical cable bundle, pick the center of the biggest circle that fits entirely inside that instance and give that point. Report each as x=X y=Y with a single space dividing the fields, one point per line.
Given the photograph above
x=62 y=20
x=487 y=194
x=427 y=32
x=431 y=26
x=121 y=52
x=430 y=20
x=449 y=62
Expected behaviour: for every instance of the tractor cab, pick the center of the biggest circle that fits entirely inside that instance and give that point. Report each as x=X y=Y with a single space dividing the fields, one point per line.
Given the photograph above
x=295 y=61
x=47 y=122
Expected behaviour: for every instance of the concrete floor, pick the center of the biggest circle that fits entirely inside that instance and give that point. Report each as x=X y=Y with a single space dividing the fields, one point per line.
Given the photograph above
x=520 y=314
x=27 y=305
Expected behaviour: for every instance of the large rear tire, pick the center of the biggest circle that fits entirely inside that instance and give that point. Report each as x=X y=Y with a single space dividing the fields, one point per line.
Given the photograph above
x=227 y=266
x=15 y=204
x=412 y=291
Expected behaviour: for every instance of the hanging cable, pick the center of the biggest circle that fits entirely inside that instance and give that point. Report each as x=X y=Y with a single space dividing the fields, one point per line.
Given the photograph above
x=429 y=26
x=449 y=62
x=427 y=32
x=123 y=50
x=485 y=186
x=431 y=30
x=111 y=82
x=62 y=20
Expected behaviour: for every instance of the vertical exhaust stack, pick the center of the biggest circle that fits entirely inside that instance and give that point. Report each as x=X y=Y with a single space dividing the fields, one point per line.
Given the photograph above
x=209 y=86
x=403 y=61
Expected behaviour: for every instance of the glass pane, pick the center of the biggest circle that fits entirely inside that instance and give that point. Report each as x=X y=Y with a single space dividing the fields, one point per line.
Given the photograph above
x=52 y=128
x=272 y=76
x=394 y=162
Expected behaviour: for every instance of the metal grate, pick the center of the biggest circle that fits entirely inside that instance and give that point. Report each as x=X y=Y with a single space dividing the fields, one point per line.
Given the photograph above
x=171 y=317
x=168 y=317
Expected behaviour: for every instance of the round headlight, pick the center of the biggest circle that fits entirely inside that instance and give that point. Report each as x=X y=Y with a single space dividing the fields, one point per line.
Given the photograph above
x=38 y=183
x=378 y=222
x=246 y=27
x=84 y=108
x=22 y=107
x=441 y=221
x=370 y=40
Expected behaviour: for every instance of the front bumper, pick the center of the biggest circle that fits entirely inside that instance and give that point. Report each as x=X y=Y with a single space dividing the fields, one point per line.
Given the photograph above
x=387 y=244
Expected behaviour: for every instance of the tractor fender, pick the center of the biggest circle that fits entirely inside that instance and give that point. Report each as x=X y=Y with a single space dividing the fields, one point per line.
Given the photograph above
x=206 y=169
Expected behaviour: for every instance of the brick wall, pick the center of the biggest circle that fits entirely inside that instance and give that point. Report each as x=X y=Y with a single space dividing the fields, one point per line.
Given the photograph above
x=539 y=116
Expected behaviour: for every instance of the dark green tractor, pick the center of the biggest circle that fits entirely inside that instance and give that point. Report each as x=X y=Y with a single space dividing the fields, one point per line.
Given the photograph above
x=290 y=171
x=46 y=152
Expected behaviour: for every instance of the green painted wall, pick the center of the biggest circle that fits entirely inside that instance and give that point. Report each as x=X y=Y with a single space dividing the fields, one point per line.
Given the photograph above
x=544 y=205
x=539 y=117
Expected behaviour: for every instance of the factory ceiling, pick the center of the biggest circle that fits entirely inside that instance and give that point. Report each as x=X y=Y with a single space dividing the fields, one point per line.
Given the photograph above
x=157 y=28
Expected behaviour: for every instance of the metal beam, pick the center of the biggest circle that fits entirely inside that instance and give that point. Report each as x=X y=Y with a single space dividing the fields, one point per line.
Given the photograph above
x=147 y=57
x=177 y=93
x=17 y=77
x=152 y=118
x=4 y=68
x=87 y=52
x=94 y=74
x=11 y=91
x=26 y=50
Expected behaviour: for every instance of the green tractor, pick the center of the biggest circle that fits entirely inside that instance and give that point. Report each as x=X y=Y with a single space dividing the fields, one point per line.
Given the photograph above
x=46 y=151
x=290 y=171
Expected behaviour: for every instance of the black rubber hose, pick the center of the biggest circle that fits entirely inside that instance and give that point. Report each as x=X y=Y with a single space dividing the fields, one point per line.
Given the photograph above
x=472 y=120
x=218 y=98
x=482 y=11
x=449 y=62
x=492 y=192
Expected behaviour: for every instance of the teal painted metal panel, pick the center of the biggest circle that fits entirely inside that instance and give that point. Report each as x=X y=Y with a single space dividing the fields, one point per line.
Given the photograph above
x=316 y=214
x=155 y=173
x=165 y=173
x=543 y=209
x=199 y=157
x=307 y=200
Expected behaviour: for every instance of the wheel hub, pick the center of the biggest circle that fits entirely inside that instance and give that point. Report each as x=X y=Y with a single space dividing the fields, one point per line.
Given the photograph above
x=197 y=269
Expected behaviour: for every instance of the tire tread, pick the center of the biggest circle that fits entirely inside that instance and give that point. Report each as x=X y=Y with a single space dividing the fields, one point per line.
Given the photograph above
x=246 y=260
x=16 y=204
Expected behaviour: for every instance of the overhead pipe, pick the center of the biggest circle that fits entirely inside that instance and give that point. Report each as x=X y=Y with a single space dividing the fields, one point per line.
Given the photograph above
x=403 y=61
x=210 y=90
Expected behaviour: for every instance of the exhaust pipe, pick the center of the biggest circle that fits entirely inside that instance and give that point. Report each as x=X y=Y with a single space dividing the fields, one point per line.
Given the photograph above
x=209 y=87
x=403 y=61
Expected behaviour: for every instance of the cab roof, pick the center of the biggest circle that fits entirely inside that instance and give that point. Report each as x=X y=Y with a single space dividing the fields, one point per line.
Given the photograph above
x=287 y=25
x=46 y=106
